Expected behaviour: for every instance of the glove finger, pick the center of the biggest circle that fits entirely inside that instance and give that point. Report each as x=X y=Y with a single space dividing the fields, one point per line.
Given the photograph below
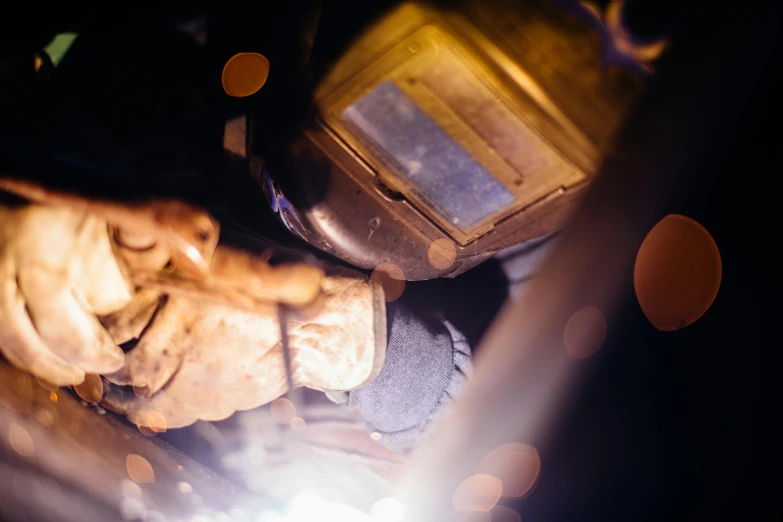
x=73 y=333
x=24 y=348
x=196 y=393
x=296 y=283
x=128 y=323
x=98 y=275
x=57 y=247
x=160 y=351
x=140 y=252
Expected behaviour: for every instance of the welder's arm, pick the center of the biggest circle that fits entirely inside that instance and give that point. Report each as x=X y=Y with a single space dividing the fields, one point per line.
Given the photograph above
x=426 y=369
x=429 y=362
x=201 y=361
x=67 y=303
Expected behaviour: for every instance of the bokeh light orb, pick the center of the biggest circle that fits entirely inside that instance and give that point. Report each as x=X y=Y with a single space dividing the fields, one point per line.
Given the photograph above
x=479 y=492
x=677 y=273
x=391 y=278
x=283 y=410
x=516 y=466
x=585 y=332
x=442 y=253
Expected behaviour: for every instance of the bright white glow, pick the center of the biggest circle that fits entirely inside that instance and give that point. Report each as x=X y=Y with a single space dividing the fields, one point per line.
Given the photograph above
x=268 y=516
x=132 y=508
x=237 y=515
x=307 y=507
x=388 y=510
x=131 y=489
x=193 y=253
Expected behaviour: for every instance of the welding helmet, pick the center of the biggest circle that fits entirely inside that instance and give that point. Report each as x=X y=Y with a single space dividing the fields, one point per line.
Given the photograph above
x=440 y=134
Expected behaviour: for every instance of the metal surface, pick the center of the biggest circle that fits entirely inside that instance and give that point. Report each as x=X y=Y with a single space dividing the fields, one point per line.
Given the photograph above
x=284 y=343
x=442 y=68
x=70 y=461
x=294 y=393
x=282 y=317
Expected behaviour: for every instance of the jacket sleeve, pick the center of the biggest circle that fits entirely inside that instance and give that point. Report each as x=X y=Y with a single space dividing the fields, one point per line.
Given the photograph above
x=426 y=368
x=429 y=362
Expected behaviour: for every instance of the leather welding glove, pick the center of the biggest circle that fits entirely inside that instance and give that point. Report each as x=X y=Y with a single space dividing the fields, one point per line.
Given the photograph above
x=58 y=273
x=199 y=361
x=193 y=360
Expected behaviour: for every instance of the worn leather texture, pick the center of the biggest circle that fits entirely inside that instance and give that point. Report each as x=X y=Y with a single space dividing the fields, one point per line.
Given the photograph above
x=57 y=273
x=204 y=361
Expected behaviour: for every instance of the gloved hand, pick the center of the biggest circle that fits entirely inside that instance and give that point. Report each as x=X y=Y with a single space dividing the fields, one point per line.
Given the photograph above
x=200 y=361
x=194 y=359
x=58 y=273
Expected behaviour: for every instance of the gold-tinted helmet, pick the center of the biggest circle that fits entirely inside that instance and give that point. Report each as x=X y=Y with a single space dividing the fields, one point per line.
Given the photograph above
x=440 y=134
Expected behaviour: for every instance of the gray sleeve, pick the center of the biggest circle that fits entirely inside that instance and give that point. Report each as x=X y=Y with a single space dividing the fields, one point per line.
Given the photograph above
x=426 y=368
x=427 y=365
